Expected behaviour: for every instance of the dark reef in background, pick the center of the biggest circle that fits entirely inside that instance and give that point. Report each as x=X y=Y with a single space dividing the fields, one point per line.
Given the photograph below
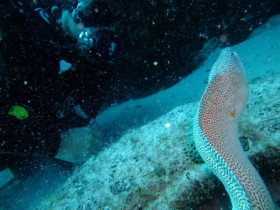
x=160 y=40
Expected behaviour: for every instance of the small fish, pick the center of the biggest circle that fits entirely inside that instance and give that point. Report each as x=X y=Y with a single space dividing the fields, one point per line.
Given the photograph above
x=64 y=66
x=43 y=13
x=80 y=112
x=19 y=112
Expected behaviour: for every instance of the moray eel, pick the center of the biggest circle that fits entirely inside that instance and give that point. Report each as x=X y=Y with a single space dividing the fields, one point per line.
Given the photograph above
x=216 y=134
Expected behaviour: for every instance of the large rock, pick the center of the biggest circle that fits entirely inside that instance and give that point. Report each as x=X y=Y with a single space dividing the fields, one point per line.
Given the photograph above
x=152 y=167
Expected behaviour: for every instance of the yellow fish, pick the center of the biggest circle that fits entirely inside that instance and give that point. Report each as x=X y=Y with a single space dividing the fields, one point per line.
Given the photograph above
x=18 y=112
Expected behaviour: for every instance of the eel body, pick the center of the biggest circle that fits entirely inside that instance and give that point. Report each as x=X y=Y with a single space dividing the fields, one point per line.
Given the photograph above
x=216 y=134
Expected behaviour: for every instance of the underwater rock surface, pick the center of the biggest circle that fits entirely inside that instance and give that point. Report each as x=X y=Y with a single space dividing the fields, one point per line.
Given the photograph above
x=152 y=166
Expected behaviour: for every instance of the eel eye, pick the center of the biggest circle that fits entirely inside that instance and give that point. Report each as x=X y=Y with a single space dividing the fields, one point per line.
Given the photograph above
x=232 y=114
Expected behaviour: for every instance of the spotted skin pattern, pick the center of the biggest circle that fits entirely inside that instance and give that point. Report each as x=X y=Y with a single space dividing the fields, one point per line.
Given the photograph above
x=216 y=134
